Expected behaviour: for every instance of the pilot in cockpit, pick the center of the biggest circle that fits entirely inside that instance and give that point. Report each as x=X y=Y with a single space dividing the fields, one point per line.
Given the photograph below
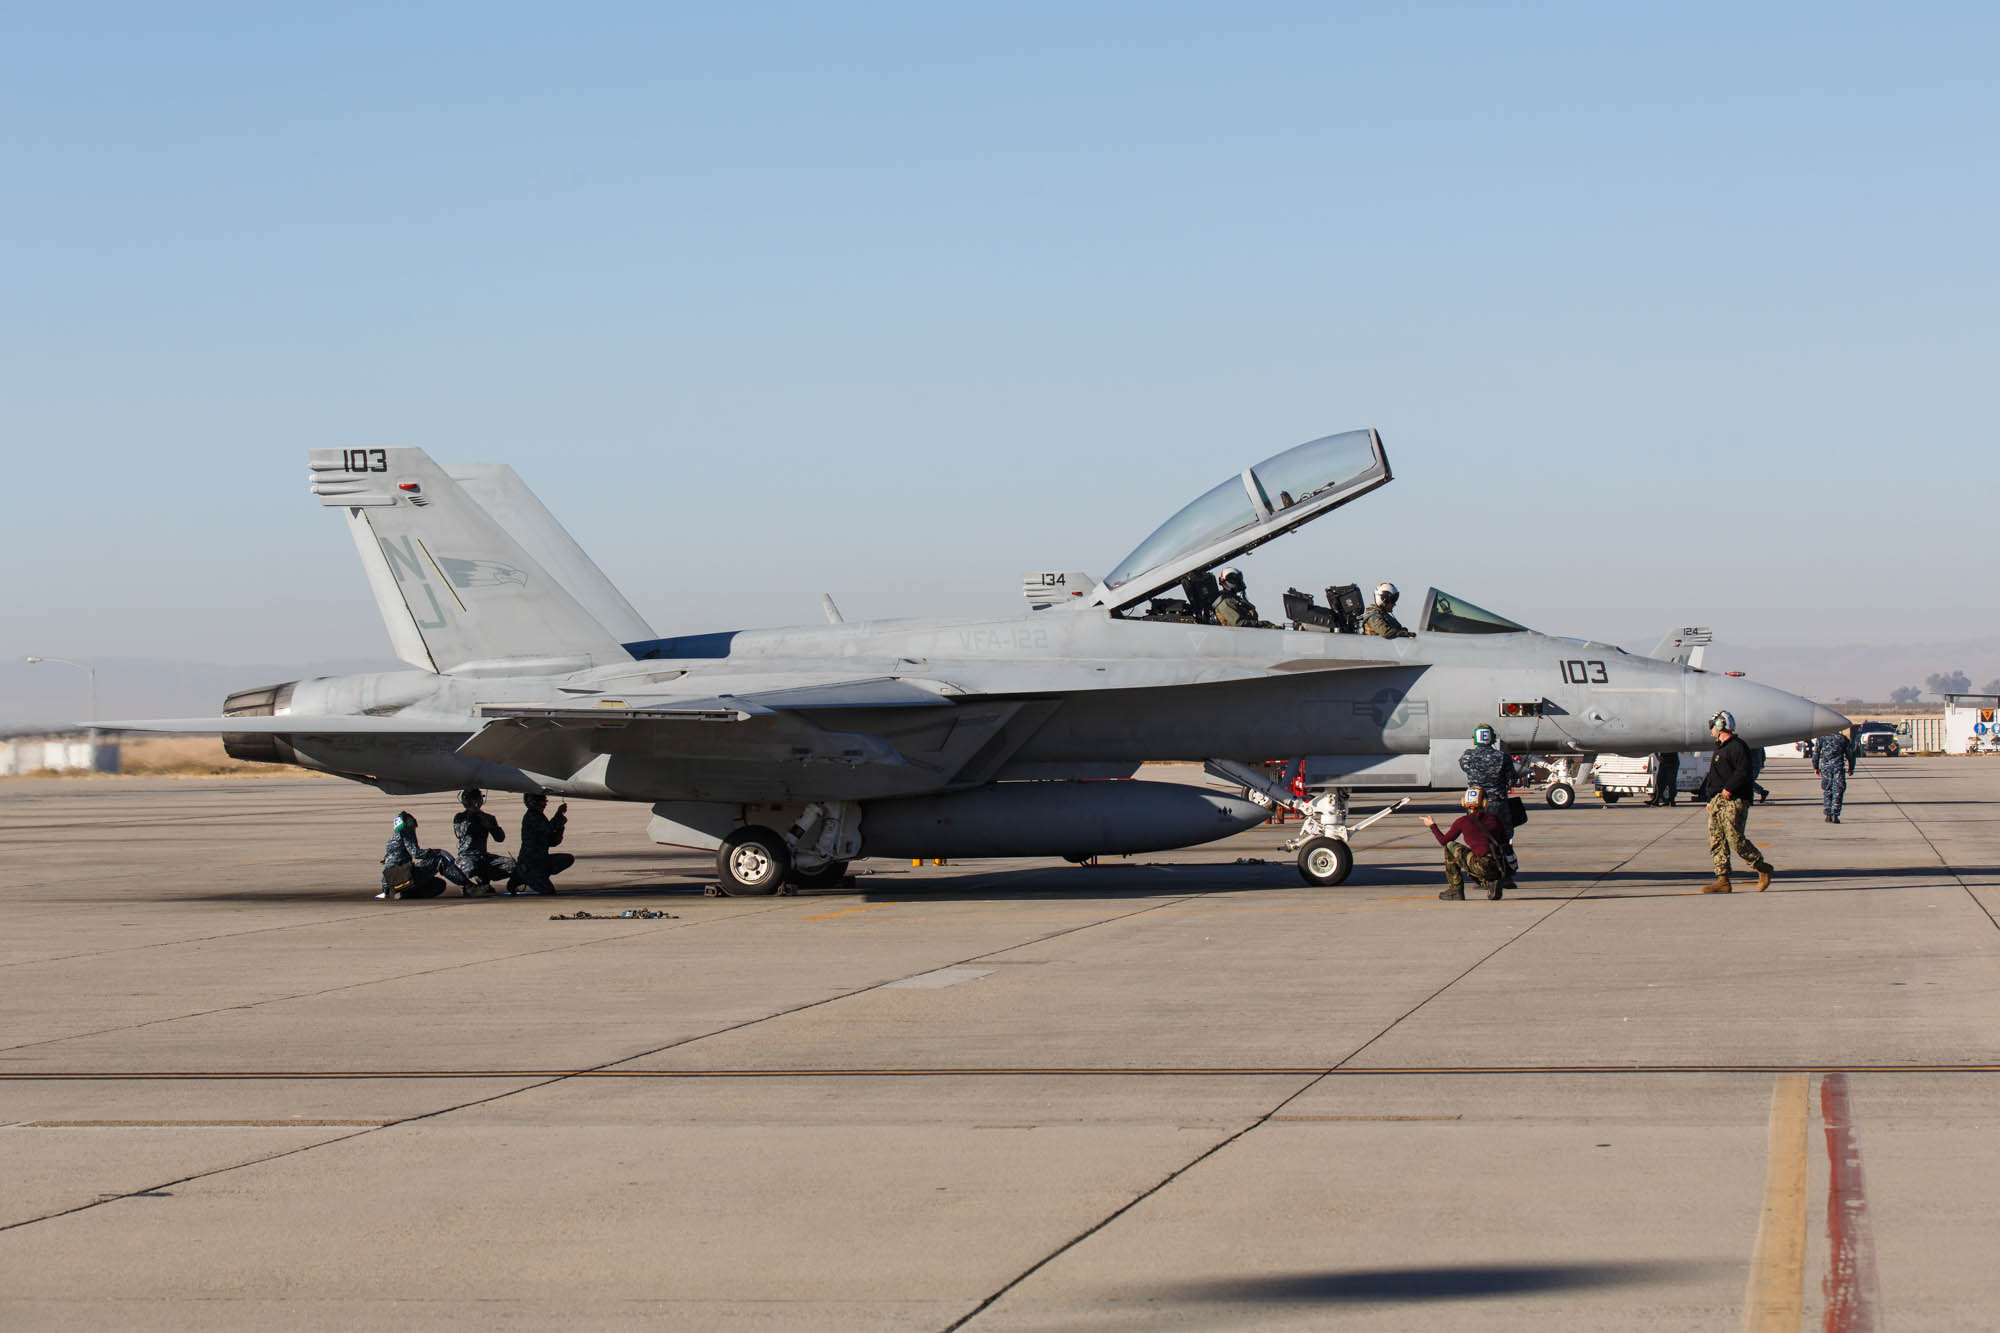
x=1233 y=607
x=1380 y=619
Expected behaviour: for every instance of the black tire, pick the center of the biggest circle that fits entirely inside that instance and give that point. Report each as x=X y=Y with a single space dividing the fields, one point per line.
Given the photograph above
x=752 y=863
x=1324 y=862
x=1613 y=797
x=1562 y=796
x=825 y=877
x=1077 y=860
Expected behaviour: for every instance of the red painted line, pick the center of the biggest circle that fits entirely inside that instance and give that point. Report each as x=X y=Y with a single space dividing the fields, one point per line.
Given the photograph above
x=1852 y=1295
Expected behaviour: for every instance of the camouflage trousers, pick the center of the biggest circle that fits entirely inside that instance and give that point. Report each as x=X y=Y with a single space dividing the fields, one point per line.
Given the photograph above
x=1833 y=788
x=1727 y=817
x=486 y=865
x=1460 y=862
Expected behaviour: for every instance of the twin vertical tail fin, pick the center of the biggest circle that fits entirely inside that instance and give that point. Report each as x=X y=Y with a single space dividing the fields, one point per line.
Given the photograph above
x=458 y=592
x=1687 y=645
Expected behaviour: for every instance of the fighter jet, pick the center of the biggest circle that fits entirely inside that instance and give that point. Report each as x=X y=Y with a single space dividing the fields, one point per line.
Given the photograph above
x=792 y=752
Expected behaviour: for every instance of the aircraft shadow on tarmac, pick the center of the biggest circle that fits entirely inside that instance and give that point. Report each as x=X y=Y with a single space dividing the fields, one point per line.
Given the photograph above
x=1119 y=881
x=1444 y=1283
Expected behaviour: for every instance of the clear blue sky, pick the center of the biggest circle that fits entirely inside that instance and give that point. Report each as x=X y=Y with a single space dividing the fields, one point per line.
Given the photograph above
x=1667 y=314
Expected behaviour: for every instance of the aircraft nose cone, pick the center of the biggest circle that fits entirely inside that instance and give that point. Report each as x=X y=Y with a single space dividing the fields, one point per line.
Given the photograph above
x=1767 y=716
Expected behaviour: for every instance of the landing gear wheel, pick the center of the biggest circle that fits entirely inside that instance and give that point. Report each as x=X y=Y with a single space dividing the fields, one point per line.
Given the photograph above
x=825 y=877
x=1324 y=862
x=1562 y=796
x=1613 y=797
x=752 y=863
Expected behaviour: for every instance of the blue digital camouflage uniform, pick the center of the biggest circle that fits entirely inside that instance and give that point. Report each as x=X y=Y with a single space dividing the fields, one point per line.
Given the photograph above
x=536 y=862
x=1491 y=769
x=473 y=828
x=1380 y=623
x=429 y=864
x=1833 y=756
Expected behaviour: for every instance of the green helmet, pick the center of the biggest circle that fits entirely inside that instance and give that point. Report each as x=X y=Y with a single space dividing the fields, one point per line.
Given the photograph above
x=1484 y=735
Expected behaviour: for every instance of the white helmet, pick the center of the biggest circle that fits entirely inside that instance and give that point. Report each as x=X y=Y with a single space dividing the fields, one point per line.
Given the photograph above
x=1229 y=576
x=1473 y=799
x=1386 y=592
x=1724 y=720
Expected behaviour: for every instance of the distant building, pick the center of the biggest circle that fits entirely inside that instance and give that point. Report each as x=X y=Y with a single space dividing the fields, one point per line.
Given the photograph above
x=72 y=753
x=1969 y=723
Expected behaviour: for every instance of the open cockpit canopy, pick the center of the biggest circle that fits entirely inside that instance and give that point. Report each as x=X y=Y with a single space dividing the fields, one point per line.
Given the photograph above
x=1264 y=501
x=1444 y=613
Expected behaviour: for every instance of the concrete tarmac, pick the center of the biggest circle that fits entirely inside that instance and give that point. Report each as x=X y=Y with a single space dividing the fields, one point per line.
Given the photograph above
x=1182 y=1090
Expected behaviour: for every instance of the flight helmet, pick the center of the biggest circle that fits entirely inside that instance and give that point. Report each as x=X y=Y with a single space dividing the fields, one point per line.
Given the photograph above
x=1231 y=579
x=405 y=822
x=1474 y=799
x=1386 y=594
x=1484 y=735
x=1724 y=720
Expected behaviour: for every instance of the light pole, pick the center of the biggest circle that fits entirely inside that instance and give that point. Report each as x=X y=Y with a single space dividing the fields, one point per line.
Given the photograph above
x=87 y=670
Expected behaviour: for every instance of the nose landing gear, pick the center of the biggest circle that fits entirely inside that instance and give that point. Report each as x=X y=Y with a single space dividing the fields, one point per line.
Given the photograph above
x=1325 y=838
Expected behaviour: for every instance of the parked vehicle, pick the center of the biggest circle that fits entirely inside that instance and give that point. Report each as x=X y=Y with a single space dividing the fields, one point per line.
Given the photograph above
x=1885 y=738
x=1620 y=775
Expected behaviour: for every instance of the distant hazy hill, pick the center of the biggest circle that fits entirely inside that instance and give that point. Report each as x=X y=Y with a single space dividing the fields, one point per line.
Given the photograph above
x=51 y=695
x=1858 y=670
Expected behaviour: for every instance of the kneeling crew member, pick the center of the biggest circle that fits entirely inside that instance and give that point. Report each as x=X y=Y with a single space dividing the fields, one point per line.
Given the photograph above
x=537 y=863
x=1731 y=778
x=473 y=827
x=1471 y=847
x=426 y=863
x=1380 y=619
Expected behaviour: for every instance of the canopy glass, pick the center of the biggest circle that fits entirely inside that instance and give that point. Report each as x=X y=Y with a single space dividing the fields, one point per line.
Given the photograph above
x=1257 y=500
x=1445 y=614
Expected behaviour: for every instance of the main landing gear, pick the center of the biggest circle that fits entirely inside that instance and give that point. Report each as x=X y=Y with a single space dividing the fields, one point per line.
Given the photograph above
x=756 y=861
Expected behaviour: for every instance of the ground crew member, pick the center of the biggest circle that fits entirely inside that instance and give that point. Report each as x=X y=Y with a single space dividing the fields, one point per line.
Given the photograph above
x=1666 y=776
x=1471 y=847
x=425 y=864
x=536 y=864
x=1232 y=607
x=473 y=827
x=1833 y=760
x=1380 y=620
x=1491 y=769
x=1728 y=788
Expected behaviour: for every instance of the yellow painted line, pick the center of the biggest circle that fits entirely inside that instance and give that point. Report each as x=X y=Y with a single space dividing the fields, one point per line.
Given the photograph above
x=1776 y=1297
x=847 y=911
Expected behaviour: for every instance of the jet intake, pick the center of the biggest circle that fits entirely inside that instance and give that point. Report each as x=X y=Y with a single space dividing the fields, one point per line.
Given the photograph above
x=264 y=701
x=1054 y=819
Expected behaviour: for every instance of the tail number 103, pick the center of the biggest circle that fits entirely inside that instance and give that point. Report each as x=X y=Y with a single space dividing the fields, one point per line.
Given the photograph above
x=365 y=460
x=1584 y=673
